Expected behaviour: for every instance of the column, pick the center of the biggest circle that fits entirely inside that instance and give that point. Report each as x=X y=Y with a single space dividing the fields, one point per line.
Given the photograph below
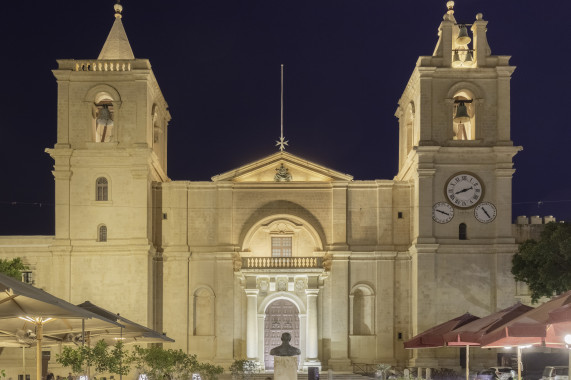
x=252 y=324
x=261 y=328
x=311 y=325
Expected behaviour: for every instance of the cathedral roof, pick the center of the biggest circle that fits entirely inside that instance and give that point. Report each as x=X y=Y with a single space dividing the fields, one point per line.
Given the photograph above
x=117 y=44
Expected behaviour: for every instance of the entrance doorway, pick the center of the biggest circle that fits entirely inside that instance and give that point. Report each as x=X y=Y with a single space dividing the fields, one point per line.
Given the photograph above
x=281 y=316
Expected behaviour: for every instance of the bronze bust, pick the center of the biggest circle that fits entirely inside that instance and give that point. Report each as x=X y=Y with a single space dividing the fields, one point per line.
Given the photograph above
x=285 y=349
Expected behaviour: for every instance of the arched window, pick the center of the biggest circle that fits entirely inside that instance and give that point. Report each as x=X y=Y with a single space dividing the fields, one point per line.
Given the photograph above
x=102 y=233
x=101 y=189
x=203 y=315
x=362 y=311
x=462 y=231
x=464 y=118
x=103 y=115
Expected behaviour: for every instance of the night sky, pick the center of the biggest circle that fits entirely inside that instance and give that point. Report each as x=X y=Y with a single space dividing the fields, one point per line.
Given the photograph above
x=218 y=65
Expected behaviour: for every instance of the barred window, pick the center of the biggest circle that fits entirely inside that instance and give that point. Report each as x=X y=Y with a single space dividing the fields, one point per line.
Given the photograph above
x=281 y=246
x=101 y=189
x=27 y=277
x=462 y=231
x=102 y=233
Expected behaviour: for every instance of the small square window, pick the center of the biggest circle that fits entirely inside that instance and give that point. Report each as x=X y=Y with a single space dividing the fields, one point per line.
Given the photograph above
x=27 y=277
x=281 y=246
x=400 y=215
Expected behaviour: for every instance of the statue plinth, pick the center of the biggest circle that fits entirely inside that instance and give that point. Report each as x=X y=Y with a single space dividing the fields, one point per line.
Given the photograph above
x=285 y=367
x=285 y=359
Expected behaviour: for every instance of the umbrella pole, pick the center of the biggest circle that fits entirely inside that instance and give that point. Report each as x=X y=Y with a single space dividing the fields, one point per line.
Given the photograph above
x=467 y=362
x=519 y=363
x=24 y=362
x=39 y=336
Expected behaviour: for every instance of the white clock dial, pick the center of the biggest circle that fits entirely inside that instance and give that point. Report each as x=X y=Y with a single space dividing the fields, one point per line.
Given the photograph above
x=464 y=190
x=442 y=212
x=485 y=212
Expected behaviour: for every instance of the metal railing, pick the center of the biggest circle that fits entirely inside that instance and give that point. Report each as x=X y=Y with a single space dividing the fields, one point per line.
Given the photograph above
x=364 y=369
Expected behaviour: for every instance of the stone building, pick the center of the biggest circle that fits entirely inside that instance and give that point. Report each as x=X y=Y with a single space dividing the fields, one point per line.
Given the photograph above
x=351 y=268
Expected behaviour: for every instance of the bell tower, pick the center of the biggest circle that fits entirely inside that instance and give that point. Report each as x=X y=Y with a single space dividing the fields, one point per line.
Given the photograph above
x=111 y=149
x=456 y=153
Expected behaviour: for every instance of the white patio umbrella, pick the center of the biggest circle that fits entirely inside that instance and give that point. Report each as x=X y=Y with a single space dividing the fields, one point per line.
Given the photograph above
x=28 y=314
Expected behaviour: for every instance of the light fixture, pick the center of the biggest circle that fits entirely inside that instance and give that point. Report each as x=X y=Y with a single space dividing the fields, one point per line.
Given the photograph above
x=567 y=338
x=463 y=37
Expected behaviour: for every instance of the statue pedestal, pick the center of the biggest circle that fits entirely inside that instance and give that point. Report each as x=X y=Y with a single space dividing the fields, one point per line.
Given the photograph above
x=285 y=367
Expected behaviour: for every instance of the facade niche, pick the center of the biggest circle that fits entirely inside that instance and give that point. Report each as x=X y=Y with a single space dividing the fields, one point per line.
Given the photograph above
x=362 y=310
x=203 y=312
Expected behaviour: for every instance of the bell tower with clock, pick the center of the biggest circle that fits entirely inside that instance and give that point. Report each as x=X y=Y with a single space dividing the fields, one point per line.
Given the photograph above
x=456 y=154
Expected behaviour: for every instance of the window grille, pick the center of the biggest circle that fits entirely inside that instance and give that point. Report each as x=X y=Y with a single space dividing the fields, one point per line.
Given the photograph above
x=102 y=189
x=281 y=246
x=102 y=236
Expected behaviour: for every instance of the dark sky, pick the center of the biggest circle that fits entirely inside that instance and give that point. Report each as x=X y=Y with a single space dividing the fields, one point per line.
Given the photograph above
x=218 y=61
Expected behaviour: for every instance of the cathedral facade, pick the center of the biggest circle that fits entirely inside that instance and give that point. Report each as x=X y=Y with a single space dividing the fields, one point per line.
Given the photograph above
x=351 y=269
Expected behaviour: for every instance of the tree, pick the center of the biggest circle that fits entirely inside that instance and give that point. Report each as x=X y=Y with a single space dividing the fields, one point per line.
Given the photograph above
x=160 y=364
x=13 y=267
x=243 y=369
x=544 y=265
x=100 y=357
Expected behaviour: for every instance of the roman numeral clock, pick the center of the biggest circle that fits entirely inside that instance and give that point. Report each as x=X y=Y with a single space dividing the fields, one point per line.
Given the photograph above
x=464 y=190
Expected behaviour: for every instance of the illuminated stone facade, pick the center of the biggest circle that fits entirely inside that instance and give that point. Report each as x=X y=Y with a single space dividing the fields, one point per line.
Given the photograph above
x=365 y=264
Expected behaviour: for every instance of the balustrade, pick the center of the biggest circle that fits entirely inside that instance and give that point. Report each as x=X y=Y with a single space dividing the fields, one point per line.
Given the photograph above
x=281 y=262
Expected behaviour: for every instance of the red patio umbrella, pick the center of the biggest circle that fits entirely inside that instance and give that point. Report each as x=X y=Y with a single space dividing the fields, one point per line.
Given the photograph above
x=528 y=329
x=531 y=328
x=470 y=333
x=434 y=337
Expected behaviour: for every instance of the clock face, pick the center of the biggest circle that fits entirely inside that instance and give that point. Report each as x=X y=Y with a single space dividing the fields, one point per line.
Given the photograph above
x=464 y=190
x=485 y=212
x=442 y=212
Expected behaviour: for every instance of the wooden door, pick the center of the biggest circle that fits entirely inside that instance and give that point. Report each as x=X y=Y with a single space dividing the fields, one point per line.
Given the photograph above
x=281 y=316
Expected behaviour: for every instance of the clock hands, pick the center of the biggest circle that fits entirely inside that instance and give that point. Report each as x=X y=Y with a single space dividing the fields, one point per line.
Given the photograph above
x=464 y=190
x=485 y=212
x=442 y=212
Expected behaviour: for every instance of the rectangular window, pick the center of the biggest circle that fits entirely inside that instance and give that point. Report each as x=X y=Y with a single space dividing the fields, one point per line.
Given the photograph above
x=27 y=277
x=281 y=246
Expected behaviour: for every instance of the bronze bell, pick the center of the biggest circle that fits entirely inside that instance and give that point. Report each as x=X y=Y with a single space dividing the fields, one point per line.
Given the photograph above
x=456 y=61
x=104 y=117
x=463 y=37
x=469 y=61
x=461 y=113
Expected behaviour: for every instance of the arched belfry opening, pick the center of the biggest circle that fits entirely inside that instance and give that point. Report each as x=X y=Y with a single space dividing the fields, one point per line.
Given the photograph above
x=464 y=116
x=103 y=118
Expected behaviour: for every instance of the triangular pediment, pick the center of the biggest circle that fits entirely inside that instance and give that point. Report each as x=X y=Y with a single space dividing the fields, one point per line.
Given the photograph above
x=289 y=168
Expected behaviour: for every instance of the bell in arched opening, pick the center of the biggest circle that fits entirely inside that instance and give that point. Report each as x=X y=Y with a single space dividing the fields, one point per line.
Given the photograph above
x=461 y=113
x=463 y=37
x=104 y=117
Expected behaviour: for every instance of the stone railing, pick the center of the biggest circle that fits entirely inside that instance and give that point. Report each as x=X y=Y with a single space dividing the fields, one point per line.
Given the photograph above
x=282 y=262
x=102 y=66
